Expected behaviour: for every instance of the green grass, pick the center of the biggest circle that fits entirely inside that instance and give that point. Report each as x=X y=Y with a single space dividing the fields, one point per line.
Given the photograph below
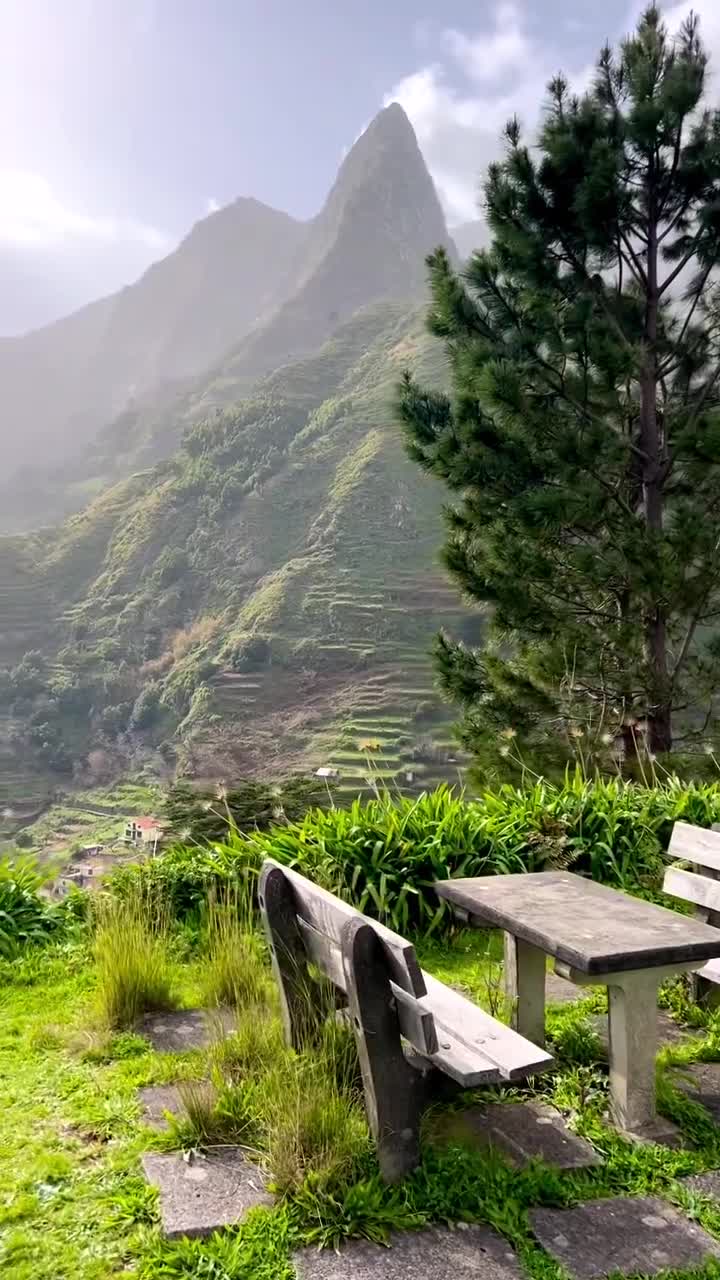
x=73 y=1204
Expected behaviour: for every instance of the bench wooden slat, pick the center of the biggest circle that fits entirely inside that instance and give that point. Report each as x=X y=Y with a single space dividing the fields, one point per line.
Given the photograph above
x=328 y=915
x=417 y=1024
x=514 y=1056
x=710 y=971
x=467 y=1067
x=695 y=844
x=698 y=889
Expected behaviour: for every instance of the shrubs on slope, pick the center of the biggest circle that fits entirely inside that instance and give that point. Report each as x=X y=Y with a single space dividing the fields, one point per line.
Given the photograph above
x=385 y=854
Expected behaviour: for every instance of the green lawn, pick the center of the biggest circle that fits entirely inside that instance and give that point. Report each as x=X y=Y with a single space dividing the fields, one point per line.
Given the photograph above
x=74 y=1206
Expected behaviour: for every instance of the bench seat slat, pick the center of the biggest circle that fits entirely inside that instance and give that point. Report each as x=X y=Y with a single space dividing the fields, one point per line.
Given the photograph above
x=692 y=888
x=479 y=1049
x=328 y=915
x=710 y=971
x=695 y=845
x=514 y=1056
x=467 y=1067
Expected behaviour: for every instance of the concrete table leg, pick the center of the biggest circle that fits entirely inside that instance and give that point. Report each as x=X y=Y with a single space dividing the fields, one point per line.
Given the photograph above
x=633 y=1043
x=525 y=988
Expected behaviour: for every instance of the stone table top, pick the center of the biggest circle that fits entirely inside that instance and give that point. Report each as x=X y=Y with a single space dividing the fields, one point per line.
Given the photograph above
x=586 y=925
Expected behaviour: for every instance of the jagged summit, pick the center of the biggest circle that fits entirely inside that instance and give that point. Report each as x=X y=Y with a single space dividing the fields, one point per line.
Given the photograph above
x=368 y=242
x=248 y=289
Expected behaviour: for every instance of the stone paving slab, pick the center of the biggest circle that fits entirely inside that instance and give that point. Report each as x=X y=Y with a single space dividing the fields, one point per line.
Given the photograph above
x=705 y=1184
x=184 y=1029
x=156 y=1100
x=700 y=1081
x=206 y=1193
x=434 y=1254
x=522 y=1131
x=559 y=991
x=669 y=1032
x=600 y=1237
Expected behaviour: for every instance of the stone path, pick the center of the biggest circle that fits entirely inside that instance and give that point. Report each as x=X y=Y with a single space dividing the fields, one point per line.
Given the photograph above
x=434 y=1254
x=158 y=1099
x=184 y=1029
x=701 y=1082
x=199 y=1195
x=599 y=1237
x=522 y=1131
x=705 y=1184
x=559 y=991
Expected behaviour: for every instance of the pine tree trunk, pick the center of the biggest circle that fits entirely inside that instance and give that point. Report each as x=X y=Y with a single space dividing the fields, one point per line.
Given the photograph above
x=659 y=715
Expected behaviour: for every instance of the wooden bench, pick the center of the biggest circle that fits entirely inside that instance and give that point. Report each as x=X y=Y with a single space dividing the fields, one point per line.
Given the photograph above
x=412 y=1032
x=701 y=887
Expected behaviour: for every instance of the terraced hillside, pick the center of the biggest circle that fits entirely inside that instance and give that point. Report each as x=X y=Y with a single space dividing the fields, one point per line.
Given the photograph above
x=266 y=598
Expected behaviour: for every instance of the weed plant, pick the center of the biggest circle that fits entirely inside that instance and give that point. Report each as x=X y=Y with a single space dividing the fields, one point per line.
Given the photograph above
x=300 y=1112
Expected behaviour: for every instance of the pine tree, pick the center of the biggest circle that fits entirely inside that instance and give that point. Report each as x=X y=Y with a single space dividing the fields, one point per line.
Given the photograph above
x=582 y=436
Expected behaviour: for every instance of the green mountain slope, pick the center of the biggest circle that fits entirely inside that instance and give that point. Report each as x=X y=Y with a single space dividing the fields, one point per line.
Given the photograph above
x=262 y=600
x=111 y=389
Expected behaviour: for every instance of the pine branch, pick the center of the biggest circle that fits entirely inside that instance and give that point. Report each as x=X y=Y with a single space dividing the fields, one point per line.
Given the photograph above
x=691 y=253
x=677 y=342
x=638 y=273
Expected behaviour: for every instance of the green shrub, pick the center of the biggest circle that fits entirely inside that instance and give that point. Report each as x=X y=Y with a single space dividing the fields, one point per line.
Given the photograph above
x=25 y=916
x=385 y=854
x=132 y=962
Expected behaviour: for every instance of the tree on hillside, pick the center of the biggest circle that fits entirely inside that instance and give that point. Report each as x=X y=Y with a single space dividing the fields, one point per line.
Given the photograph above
x=582 y=435
x=247 y=805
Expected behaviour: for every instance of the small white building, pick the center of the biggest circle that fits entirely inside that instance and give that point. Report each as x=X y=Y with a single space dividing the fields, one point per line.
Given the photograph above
x=327 y=772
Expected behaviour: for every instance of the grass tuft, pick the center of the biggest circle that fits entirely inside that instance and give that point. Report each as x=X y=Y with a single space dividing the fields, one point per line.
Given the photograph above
x=132 y=960
x=235 y=973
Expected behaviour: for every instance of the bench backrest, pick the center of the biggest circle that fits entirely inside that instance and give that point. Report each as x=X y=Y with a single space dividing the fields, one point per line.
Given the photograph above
x=460 y=1038
x=322 y=918
x=701 y=848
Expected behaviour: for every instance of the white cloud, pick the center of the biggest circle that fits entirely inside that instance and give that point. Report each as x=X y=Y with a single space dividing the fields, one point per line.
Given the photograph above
x=31 y=214
x=460 y=102
x=709 y=14
x=212 y=205
x=460 y=99
x=490 y=55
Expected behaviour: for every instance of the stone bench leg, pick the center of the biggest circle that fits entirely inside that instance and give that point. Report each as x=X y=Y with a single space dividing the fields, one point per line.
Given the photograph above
x=525 y=988
x=632 y=1007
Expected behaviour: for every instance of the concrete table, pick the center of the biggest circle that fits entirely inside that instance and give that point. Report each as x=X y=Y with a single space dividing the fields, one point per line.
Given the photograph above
x=596 y=936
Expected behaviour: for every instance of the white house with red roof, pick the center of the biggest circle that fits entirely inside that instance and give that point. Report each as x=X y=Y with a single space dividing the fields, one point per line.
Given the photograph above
x=144 y=832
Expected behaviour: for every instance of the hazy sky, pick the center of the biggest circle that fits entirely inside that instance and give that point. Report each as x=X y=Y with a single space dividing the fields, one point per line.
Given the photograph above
x=124 y=121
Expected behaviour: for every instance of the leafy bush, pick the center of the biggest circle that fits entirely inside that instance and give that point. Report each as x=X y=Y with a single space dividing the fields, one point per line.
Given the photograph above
x=25 y=916
x=384 y=855
x=146 y=709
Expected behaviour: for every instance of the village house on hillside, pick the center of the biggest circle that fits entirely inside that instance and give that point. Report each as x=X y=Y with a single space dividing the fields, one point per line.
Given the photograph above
x=144 y=833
